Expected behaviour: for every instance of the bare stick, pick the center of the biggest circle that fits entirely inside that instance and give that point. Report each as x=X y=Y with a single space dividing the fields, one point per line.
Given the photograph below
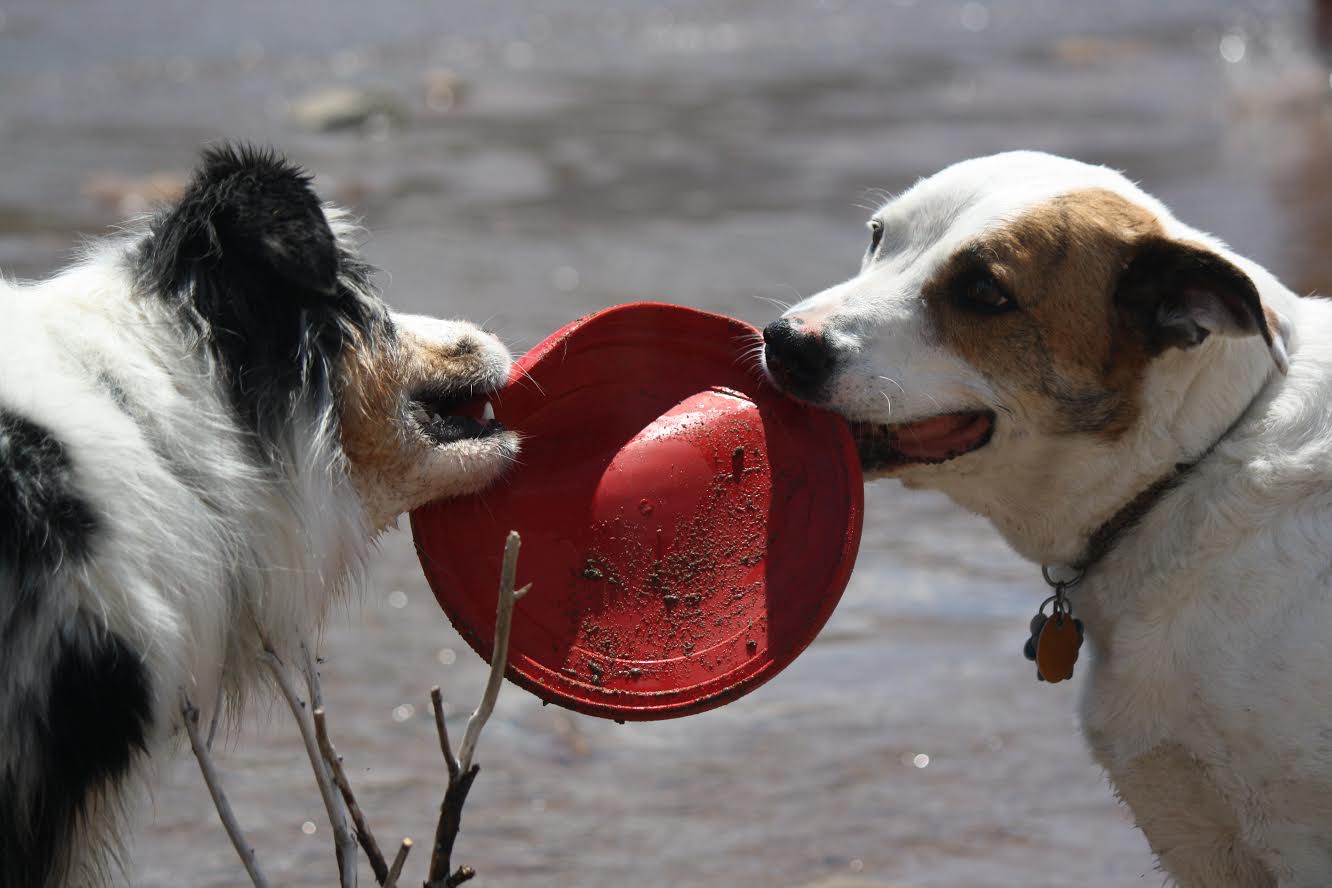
x=334 y=762
x=391 y=880
x=220 y=802
x=462 y=874
x=337 y=818
x=363 y=834
x=217 y=714
x=446 y=831
x=499 y=655
x=463 y=772
x=437 y=701
x=311 y=678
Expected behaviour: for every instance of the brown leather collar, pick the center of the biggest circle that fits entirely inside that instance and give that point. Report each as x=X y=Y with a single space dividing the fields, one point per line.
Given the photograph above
x=1104 y=538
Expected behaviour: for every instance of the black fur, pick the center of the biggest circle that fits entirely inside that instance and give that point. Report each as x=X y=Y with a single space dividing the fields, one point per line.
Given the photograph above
x=1152 y=293
x=44 y=522
x=90 y=709
x=249 y=255
x=81 y=734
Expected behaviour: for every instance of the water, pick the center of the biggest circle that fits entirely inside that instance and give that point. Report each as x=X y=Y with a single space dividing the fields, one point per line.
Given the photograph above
x=710 y=153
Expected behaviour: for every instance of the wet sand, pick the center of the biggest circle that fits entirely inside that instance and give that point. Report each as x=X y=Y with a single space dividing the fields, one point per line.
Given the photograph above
x=522 y=168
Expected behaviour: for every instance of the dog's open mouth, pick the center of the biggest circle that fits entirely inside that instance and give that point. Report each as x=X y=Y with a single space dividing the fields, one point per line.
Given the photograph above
x=925 y=442
x=448 y=418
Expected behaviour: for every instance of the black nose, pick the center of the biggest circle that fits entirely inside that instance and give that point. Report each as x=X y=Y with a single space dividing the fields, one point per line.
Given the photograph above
x=802 y=363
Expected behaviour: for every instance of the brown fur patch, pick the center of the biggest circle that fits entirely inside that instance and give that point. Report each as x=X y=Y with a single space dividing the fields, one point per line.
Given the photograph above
x=374 y=435
x=1064 y=356
x=392 y=462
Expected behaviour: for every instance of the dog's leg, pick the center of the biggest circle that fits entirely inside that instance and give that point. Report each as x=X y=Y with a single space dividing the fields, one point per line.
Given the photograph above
x=1188 y=823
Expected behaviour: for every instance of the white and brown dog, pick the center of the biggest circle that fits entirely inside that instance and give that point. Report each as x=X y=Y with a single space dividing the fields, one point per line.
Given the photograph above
x=1128 y=400
x=203 y=426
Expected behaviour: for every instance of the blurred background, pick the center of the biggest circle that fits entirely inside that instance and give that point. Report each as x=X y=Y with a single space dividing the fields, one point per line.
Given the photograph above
x=523 y=163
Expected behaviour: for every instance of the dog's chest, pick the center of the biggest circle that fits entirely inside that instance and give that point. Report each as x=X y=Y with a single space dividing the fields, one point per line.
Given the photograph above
x=1218 y=689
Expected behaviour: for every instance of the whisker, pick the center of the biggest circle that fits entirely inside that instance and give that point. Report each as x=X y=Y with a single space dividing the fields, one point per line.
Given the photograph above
x=784 y=306
x=894 y=382
x=751 y=358
x=525 y=378
x=879 y=197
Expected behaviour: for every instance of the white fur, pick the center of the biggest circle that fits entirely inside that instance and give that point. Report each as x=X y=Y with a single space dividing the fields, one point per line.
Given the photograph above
x=1209 y=699
x=196 y=565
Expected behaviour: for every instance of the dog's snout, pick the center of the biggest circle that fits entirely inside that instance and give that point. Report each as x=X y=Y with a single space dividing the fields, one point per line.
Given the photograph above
x=799 y=360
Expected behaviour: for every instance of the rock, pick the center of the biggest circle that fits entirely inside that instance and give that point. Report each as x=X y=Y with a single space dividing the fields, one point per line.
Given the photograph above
x=444 y=90
x=341 y=108
x=1097 y=50
x=846 y=882
x=129 y=195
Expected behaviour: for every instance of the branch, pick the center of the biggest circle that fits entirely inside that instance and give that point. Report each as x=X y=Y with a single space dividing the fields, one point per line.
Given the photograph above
x=499 y=655
x=337 y=818
x=441 y=728
x=311 y=678
x=391 y=880
x=446 y=833
x=217 y=713
x=228 y=817
x=363 y=834
x=328 y=770
x=462 y=772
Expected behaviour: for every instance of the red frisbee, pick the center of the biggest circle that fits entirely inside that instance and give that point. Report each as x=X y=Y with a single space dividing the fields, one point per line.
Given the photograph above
x=687 y=528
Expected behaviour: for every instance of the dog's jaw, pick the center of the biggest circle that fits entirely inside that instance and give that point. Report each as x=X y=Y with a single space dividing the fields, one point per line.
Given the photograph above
x=395 y=462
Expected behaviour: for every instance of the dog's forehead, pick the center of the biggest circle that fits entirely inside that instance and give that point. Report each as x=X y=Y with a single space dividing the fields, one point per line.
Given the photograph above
x=946 y=211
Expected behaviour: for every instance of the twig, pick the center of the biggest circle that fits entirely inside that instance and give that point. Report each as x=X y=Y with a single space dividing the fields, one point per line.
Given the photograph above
x=499 y=655
x=446 y=832
x=329 y=772
x=462 y=874
x=363 y=834
x=463 y=772
x=441 y=728
x=228 y=817
x=217 y=714
x=344 y=841
x=391 y=880
x=311 y=678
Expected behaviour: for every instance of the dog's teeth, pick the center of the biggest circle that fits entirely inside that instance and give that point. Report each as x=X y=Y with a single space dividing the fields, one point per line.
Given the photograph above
x=488 y=413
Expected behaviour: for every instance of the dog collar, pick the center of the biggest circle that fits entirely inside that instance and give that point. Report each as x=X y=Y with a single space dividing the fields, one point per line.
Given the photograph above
x=1054 y=641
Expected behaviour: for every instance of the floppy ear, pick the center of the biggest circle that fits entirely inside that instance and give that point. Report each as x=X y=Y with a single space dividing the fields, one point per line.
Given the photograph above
x=250 y=256
x=1179 y=293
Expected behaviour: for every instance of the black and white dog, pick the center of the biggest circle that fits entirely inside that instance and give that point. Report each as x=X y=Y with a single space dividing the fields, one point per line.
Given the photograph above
x=203 y=426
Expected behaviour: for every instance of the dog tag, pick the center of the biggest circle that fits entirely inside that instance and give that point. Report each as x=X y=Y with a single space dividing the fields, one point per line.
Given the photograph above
x=1057 y=648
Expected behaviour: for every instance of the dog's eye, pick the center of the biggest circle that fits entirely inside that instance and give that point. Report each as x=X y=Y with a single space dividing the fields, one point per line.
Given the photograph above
x=876 y=234
x=985 y=295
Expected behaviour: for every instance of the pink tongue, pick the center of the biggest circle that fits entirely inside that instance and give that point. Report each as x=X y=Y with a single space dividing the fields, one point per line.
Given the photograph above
x=939 y=437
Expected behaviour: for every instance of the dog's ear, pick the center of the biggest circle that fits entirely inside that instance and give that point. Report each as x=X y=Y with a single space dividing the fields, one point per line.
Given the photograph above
x=249 y=255
x=1177 y=294
x=252 y=216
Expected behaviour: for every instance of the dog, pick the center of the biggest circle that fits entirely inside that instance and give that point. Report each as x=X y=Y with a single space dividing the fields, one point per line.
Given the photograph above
x=204 y=424
x=1148 y=415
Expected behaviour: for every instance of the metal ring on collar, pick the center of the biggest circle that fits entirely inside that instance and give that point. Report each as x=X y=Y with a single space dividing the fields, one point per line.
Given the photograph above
x=1061 y=584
